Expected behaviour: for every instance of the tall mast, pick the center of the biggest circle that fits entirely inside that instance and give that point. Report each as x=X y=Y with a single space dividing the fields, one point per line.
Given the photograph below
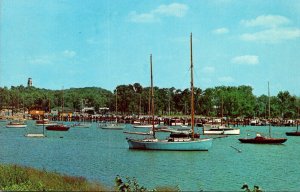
x=149 y=102
x=152 y=97
x=116 y=101
x=140 y=106
x=269 y=110
x=62 y=107
x=192 y=90
x=222 y=111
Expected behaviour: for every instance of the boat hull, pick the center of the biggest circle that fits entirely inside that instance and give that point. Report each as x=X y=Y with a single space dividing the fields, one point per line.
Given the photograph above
x=113 y=127
x=143 y=126
x=293 y=133
x=36 y=135
x=264 y=140
x=82 y=125
x=16 y=126
x=57 y=128
x=166 y=145
x=46 y=124
x=222 y=132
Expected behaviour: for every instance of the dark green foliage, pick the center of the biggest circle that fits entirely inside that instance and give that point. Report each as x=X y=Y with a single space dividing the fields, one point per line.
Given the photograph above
x=134 y=99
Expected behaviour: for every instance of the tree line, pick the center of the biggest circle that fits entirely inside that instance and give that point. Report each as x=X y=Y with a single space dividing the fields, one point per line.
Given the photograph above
x=133 y=99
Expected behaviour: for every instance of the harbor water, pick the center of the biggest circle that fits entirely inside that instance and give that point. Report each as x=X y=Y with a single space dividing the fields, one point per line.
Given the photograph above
x=101 y=155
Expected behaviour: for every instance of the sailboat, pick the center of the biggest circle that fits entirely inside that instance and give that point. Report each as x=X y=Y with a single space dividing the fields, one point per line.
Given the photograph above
x=172 y=143
x=59 y=127
x=37 y=135
x=16 y=124
x=259 y=139
x=113 y=125
x=295 y=133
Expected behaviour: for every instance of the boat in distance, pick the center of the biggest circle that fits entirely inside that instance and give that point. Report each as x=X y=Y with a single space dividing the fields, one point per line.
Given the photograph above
x=296 y=133
x=35 y=135
x=263 y=140
x=112 y=126
x=144 y=126
x=172 y=144
x=57 y=128
x=222 y=131
x=16 y=125
x=44 y=122
x=81 y=125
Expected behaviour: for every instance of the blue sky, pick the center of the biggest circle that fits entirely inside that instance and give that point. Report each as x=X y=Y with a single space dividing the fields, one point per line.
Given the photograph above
x=102 y=43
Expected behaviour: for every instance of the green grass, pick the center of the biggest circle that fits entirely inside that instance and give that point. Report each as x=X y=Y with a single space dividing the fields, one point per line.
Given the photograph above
x=20 y=178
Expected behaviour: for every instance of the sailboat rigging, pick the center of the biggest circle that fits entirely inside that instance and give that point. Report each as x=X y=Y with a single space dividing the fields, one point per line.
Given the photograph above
x=59 y=127
x=294 y=133
x=172 y=143
x=113 y=125
x=259 y=139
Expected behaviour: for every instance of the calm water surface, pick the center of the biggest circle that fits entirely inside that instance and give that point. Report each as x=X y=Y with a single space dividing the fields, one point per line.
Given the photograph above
x=100 y=155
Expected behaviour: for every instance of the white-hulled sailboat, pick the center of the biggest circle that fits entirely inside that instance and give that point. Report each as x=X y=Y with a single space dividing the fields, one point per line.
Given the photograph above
x=113 y=125
x=172 y=144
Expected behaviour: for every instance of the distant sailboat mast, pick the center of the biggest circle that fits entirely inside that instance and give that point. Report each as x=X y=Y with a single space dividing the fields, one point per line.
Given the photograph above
x=116 y=101
x=269 y=109
x=192 y=90
x=62 y=106
x=152 y=98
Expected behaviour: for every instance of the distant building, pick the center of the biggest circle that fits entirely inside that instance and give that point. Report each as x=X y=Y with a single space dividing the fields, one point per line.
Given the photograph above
x=29 y=83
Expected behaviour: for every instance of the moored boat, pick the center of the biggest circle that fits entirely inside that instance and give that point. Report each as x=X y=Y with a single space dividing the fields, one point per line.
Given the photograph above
x=44 y=122
x=172 y=143
x=81 y=125
x=112 y=126
x=144 y=126
x=259 y=139
x=57 y=128
x=296 y=133
x=220 y=130
x=13 y=124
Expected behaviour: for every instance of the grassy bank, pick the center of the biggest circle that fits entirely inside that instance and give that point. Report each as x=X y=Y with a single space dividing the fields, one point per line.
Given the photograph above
x=19 y=178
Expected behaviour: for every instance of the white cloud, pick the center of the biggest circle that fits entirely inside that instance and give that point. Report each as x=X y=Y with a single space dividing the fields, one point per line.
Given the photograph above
x=209 y=69
x=246 y=59
x=266 y=21
x=273 y=35
x=220 y=31
x=174 y=10
x=142 y=18
x=226 y=79
x=274 y=31
x=69 y=53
